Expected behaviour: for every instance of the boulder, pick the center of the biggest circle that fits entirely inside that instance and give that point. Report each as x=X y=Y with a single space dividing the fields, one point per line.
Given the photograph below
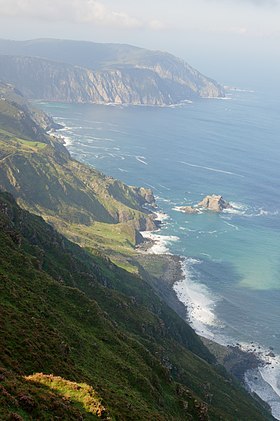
x=214 y=203
x=189 y=209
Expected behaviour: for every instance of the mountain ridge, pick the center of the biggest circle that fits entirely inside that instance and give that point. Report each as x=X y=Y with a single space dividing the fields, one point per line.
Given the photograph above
x=71 y=320
x=65 y=313
x=76 y=71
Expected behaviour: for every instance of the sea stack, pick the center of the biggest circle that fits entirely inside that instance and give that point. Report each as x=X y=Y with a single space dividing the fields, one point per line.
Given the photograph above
x=214 y=203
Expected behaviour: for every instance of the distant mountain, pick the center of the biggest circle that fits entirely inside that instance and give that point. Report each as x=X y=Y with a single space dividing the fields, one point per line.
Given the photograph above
x=76 y=71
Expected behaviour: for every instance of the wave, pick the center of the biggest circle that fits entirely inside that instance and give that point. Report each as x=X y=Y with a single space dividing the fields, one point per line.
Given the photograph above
x=250 y=91
x=265 y=380
x=160 y=242
x=236 y=209
x=200 y=307
x=141 y=159
x=199 y=301
x=178 y=209
x=161 y=216
x=263 y=212
x=67 y=140
x=164 y=187
x=248 y=211
x=211 y=169
x=231 y=225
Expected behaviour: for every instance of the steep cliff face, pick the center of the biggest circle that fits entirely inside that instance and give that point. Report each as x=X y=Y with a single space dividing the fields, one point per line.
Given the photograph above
x=38 y=170
x=82 y=339
x=18 y=115
x=122 y=75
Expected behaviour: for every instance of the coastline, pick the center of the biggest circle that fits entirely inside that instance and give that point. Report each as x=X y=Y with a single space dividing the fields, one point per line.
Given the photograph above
x=245 y=362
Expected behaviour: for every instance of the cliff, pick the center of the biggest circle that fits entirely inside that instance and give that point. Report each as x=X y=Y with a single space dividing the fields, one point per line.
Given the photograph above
x=38 y=170
x=100 y=73
x=82 y=339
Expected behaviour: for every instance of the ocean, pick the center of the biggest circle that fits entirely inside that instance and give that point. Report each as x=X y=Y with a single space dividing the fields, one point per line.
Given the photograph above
x=231 y=260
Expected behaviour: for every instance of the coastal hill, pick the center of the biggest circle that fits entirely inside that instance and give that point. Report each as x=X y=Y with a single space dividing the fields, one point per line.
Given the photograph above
x=83 y=339
x=77 y=71
x=37 y=169
x=80 y=337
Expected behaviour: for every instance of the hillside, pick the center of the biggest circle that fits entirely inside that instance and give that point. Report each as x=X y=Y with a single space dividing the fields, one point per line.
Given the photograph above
x=75 y=71
x=38 y=170
x=82 y=339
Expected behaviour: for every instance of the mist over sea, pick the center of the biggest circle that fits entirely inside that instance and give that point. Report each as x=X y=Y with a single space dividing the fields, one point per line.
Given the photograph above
x=229 y=147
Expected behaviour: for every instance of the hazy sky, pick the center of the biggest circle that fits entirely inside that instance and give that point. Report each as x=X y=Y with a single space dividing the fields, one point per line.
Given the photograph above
x=227 y=39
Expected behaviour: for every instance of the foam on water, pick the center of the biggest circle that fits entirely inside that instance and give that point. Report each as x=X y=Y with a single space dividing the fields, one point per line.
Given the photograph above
x=200 y=306
x=67 y=140
x=160 y=242
x=161 y=216
x=231 y=225
x=141 y=159
x=228 y=157
x=199 y=301
x=211 y=169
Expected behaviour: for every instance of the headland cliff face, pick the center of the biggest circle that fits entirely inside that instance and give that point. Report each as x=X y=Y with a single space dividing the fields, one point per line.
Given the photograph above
x=131 y=76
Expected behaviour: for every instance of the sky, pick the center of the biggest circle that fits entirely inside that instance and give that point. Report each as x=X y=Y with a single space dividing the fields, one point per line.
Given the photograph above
x=233 y=41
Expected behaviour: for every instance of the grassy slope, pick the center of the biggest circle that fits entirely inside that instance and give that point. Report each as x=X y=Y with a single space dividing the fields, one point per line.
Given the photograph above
x=91 y=209
x=69 y=315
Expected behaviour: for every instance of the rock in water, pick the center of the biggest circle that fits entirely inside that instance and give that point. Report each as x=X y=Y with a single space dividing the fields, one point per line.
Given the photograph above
x=214 y=203
x=189 y=209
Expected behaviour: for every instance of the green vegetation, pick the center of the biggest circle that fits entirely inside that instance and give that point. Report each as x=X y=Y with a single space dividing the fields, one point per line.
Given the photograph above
x=81 y=338
x=46 y=397
x=88 y=207
x=74 y=71
x=65 y=313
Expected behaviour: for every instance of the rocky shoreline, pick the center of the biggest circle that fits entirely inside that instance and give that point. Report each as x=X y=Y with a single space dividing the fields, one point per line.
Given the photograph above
x=165 y=270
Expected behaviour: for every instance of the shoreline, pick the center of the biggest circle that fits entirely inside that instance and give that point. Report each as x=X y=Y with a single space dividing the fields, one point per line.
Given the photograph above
x=242 y=360
x=246 y=362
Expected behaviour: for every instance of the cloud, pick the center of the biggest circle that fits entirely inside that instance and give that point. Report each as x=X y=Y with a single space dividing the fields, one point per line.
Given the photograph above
x=265 y=2
x=253 y=2
x=79 y=11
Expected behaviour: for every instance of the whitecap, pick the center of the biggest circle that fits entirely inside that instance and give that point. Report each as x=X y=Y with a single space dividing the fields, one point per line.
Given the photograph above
x=236 y=209
x=141 y=159
x=211 y=169
x=178 y=209
x=164 y=187
x=231 y=225
x=67 y=140
x=161 y=242
x=161 y=216
x=263 y=212
x=198 y=299
x=200 y=305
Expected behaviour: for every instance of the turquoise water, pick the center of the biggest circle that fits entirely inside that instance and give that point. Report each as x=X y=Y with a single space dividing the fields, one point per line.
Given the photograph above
x=229 y=147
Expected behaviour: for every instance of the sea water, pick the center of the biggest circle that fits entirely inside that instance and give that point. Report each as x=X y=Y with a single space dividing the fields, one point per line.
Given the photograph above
x=232 y=259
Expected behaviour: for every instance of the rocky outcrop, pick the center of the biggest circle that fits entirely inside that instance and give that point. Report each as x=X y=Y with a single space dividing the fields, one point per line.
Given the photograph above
x=17 y=113
x=189 y=209
x=124 y=75
x=38 y=170
x=214 y=203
